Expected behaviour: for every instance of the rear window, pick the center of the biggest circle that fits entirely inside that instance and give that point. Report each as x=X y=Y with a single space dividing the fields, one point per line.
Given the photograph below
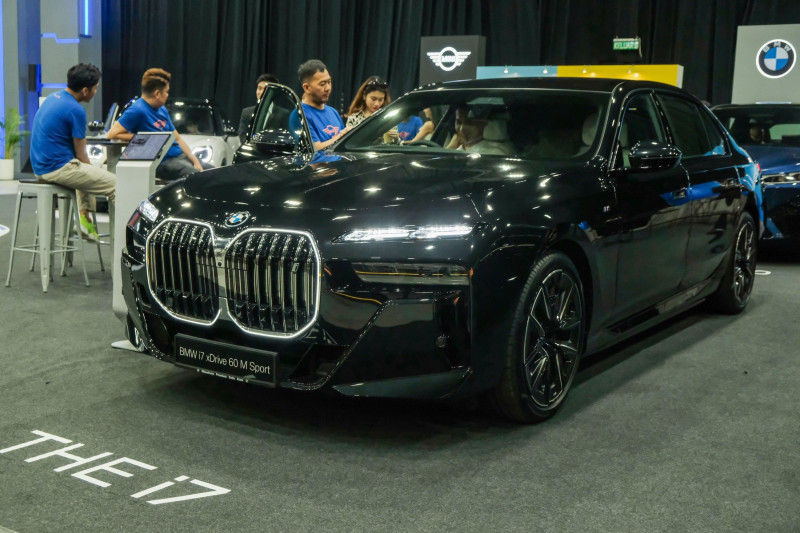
x=695 y=133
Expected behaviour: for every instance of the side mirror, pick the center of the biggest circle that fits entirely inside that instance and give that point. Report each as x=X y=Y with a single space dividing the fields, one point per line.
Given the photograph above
x=654 y=155
x=274 y=141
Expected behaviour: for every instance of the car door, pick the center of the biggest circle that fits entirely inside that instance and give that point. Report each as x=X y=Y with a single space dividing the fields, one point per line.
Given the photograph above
x=714 y=183
x=655 y=213
x=279 y=127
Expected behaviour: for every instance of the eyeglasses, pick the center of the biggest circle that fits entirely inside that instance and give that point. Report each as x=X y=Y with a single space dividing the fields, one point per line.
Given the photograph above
x=377 y=83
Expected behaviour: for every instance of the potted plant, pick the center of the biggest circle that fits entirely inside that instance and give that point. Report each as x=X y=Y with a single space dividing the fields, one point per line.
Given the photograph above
x=12 y=135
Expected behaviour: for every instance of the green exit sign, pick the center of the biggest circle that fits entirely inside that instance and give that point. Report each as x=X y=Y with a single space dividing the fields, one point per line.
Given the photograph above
x=627 y=44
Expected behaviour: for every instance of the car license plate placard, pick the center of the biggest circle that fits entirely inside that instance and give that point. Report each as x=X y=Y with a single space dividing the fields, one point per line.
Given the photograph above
x=226 y=360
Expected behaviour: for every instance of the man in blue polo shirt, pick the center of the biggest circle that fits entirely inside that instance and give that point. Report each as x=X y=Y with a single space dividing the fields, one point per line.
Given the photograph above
x=149 y=114
x=58 y=143
x=324 y=122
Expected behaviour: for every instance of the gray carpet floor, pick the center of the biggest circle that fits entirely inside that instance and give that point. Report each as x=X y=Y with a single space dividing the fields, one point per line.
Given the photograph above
x=691 y=427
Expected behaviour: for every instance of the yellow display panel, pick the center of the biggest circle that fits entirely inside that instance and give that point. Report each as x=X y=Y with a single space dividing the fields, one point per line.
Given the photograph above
x=671 y=74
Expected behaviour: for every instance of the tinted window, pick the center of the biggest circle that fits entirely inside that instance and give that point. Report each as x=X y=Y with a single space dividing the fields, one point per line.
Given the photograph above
x=715 y=138
x=762 y=124
x=639 y=123
x=530 y=124
x=274 y=111
x=687 y=126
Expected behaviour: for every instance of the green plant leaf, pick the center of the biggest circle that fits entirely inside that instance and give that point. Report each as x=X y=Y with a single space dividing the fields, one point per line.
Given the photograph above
x=11 y=132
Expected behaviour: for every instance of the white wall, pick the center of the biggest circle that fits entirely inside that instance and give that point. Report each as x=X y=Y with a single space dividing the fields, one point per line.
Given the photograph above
x=46 y=32
x=749 y=83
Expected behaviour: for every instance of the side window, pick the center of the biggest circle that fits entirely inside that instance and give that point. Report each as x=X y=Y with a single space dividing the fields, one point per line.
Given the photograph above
x=277 y=111
x=639 y=123
x=715 y=138
x=686 y=123
x=274 y=111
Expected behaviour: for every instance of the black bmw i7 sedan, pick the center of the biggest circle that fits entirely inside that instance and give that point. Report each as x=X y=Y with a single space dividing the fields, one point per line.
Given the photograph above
x=542 y=220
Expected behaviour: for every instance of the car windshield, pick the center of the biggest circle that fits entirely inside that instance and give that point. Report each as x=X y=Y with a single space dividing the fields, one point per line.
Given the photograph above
x=762 y=124
x=192 y=120
x=523 y=123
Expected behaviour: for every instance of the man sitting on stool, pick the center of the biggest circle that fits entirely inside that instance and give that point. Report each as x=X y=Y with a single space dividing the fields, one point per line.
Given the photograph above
x=58 y=143
x=149 y=114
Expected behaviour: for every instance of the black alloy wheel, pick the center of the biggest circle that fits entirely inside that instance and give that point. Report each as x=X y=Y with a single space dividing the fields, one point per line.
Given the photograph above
x=736 y=286
x=744 y=264
x=546 y=343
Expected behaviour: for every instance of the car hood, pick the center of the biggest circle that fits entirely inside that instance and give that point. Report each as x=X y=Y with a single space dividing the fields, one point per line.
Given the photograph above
x=359 y=181
x=773 y=159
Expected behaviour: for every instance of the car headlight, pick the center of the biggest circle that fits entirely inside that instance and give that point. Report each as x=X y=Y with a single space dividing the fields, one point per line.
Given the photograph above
x=204 y=153
x=148 y=210
x=139 y=226
x=408 y=233
x=783 y=177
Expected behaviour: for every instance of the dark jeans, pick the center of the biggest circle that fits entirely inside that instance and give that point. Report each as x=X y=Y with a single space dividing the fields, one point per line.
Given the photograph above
x=178 y=167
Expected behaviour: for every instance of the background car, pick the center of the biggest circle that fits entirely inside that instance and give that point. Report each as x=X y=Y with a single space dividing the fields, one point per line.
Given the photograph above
x=580 y=212
x=771 y=134
x=206 y=130
x=200 y=122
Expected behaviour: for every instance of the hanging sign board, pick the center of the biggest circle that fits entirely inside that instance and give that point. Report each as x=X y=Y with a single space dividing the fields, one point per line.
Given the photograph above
x=765 y=69
x=449 y=58
x=627 y=45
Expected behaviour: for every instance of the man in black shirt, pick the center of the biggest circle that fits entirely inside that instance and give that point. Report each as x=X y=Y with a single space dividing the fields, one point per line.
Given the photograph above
x=248 y=112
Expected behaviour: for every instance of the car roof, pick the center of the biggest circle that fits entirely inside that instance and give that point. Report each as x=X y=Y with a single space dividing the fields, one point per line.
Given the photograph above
x=585 y=84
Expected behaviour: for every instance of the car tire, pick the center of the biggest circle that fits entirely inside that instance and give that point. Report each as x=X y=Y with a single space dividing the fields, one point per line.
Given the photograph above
x=546 y=341
x=740 y=270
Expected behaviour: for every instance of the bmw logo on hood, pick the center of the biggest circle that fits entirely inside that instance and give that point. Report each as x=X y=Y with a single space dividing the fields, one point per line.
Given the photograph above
x=237 y=219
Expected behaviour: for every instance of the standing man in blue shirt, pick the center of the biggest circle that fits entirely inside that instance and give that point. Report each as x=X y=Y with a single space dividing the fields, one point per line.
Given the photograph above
x=149 y=114
x=324 y=122
x=58 y=143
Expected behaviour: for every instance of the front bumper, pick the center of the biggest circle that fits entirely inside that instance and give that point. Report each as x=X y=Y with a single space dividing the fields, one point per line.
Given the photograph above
x=367 y=340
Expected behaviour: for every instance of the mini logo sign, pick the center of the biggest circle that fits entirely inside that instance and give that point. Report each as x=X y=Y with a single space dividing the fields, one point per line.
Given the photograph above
x=237 y=219
x=775 y=59
x=449 y=58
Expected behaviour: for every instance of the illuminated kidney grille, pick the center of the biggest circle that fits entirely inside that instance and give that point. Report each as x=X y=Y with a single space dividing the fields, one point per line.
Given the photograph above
x=181 y=270
x=271 y=281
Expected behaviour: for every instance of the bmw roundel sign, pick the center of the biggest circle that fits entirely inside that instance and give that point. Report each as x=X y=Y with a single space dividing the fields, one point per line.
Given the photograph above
x=237 y=219
x=776 y=58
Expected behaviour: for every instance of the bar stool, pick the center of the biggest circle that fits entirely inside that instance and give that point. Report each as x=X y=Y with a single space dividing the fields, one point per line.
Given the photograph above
x=65 y=223
x=44 y=245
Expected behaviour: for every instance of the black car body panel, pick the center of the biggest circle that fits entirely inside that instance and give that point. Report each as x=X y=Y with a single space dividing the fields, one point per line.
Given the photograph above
x=396 y=272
